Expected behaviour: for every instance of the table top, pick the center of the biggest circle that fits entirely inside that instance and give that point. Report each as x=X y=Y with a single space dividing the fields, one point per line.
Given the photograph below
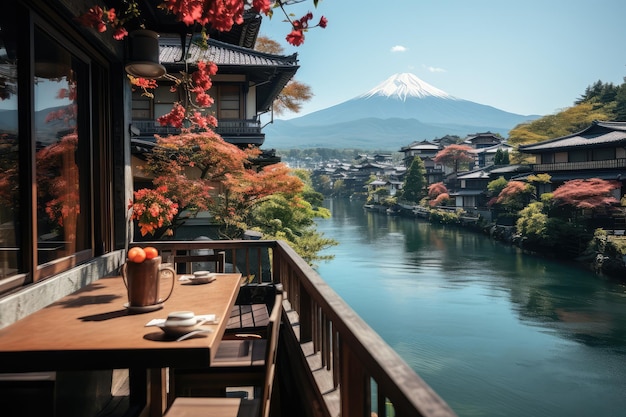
x=93 y=329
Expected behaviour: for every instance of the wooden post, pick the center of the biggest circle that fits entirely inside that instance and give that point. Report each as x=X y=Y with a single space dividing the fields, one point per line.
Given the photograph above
x=355 y=386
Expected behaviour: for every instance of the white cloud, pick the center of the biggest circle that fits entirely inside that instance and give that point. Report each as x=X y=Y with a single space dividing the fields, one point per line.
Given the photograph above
x=434 y=69
x=398 y=48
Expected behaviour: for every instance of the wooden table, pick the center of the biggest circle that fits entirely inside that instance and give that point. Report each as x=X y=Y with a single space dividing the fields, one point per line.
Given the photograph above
x=92 y=329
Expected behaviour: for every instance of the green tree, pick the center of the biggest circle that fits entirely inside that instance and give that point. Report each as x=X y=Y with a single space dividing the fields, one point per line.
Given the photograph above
x=339 y=188
x=291 y=218
x=620 y=103
x=501 y=157
x=515 y=195
x=532 y=221
x=415 y=181
x=322 y=184
x=571 y=120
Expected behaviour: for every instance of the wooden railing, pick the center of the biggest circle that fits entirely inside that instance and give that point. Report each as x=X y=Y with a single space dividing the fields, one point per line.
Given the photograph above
x=235 y=131
x=343 y=368
x=574 y=166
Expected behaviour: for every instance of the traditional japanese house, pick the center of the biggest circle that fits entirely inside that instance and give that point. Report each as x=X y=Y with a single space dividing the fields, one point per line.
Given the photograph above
x=599 y=151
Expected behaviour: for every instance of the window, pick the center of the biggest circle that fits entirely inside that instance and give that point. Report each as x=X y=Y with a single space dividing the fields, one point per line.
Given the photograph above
x=54 y=153
x=229 y=102
x=577 y=156
x=62 y=149
x=10 y=191
x=547 y=158
x=603 y=154
x=142 y=107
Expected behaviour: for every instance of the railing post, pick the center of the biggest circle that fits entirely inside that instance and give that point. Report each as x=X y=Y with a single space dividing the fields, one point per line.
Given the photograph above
x=306 y=315
x=355 y=386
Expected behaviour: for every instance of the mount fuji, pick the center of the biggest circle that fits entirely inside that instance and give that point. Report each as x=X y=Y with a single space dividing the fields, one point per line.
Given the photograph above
x=398 y=111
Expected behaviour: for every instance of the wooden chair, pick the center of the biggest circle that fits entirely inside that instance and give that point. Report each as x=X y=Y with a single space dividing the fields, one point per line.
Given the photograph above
x=242 y=360
x=216 y=262
x=252 y=307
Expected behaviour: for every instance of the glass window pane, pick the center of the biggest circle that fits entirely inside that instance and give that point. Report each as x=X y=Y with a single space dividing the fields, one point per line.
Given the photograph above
x=61 y=226
x=9 y=161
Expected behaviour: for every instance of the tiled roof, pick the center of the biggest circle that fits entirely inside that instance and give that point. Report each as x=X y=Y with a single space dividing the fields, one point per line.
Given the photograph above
x=222 y=54
x=472 y=175
x=598 y=134
x=269 y=72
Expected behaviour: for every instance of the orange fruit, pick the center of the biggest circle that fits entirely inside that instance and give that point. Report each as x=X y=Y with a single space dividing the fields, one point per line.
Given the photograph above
x=136 y=254
x=151 y=252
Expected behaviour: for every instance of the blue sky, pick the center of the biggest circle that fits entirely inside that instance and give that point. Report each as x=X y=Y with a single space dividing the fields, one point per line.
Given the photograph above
x=525 y=56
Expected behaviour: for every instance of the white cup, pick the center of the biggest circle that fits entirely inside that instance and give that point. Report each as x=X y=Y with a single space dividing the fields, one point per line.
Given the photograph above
x=181 y=318
x=201 y=274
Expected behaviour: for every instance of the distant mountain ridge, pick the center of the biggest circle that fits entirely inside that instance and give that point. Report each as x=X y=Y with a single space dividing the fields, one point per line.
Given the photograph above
x=398 y=111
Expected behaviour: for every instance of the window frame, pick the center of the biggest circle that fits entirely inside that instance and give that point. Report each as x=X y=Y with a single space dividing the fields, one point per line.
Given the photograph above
x=97 y=192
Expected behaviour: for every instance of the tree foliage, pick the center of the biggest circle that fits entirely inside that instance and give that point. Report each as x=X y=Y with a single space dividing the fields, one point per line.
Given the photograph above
x=454 y=156
x=295 y=93
x=436 y=189
x=415 y=181
x=202 y=172
x=290 y=217
x=591 y=193
x=532 y=221
x=501 y=157
x=515 y=195
x=600 y=101
x=571 y=120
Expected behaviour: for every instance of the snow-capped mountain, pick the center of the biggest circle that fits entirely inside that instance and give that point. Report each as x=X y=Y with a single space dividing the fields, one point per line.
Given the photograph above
x=398 y=111
x=405 y=85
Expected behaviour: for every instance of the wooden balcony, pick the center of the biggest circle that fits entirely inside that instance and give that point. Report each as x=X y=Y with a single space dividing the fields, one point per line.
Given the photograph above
x=331 y=363
x=575 y=166
x=235 y=131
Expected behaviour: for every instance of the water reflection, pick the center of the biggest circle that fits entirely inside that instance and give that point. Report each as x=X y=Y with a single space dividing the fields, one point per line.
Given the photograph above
x=494 y=331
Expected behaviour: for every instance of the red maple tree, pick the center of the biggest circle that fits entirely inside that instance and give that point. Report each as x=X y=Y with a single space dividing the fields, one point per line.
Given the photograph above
x=454 y=155
x=593 y=193
x=202 y=172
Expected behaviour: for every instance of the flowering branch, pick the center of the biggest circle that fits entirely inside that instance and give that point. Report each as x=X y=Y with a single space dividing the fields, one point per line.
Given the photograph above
x=220 y=15
x=152 y=210
x=296 y=36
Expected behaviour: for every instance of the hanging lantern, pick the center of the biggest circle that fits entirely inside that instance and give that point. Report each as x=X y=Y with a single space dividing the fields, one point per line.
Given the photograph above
x=144 y=55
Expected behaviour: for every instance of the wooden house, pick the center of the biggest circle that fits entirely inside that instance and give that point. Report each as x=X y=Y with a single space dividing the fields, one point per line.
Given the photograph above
x=599 y=151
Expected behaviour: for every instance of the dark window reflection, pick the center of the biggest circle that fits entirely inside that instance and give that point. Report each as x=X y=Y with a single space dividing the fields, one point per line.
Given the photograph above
x=61 y=228
x=9 y=149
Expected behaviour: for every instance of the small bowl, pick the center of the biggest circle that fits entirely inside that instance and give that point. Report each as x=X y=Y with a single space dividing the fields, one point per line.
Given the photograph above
x=181 y=319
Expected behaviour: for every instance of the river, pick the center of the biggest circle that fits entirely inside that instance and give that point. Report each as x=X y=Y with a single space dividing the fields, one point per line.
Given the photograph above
x=493 y=331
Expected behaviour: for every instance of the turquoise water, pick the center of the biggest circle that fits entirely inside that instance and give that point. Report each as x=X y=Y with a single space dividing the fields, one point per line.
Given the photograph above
x=494 y=332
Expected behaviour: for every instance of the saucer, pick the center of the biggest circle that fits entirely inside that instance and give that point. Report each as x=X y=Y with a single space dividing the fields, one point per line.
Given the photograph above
x=177 y=331
x=143 y=309
x=196 y=280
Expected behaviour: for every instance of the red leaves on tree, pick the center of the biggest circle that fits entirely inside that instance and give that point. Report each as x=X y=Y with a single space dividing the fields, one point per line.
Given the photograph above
x=436 y=189
x=453 y=155
x=512 y=190
x=440 y=200
x=587 y=194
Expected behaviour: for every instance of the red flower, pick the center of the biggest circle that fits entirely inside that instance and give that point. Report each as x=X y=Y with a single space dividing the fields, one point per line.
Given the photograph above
x=111 y=15
x=263 y=6
x=120 y=33
x=323 y=22
x=296 y=37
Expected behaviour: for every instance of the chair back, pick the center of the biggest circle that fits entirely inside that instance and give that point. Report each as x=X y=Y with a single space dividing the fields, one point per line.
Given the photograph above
x=273 y=329
x=218 y=259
